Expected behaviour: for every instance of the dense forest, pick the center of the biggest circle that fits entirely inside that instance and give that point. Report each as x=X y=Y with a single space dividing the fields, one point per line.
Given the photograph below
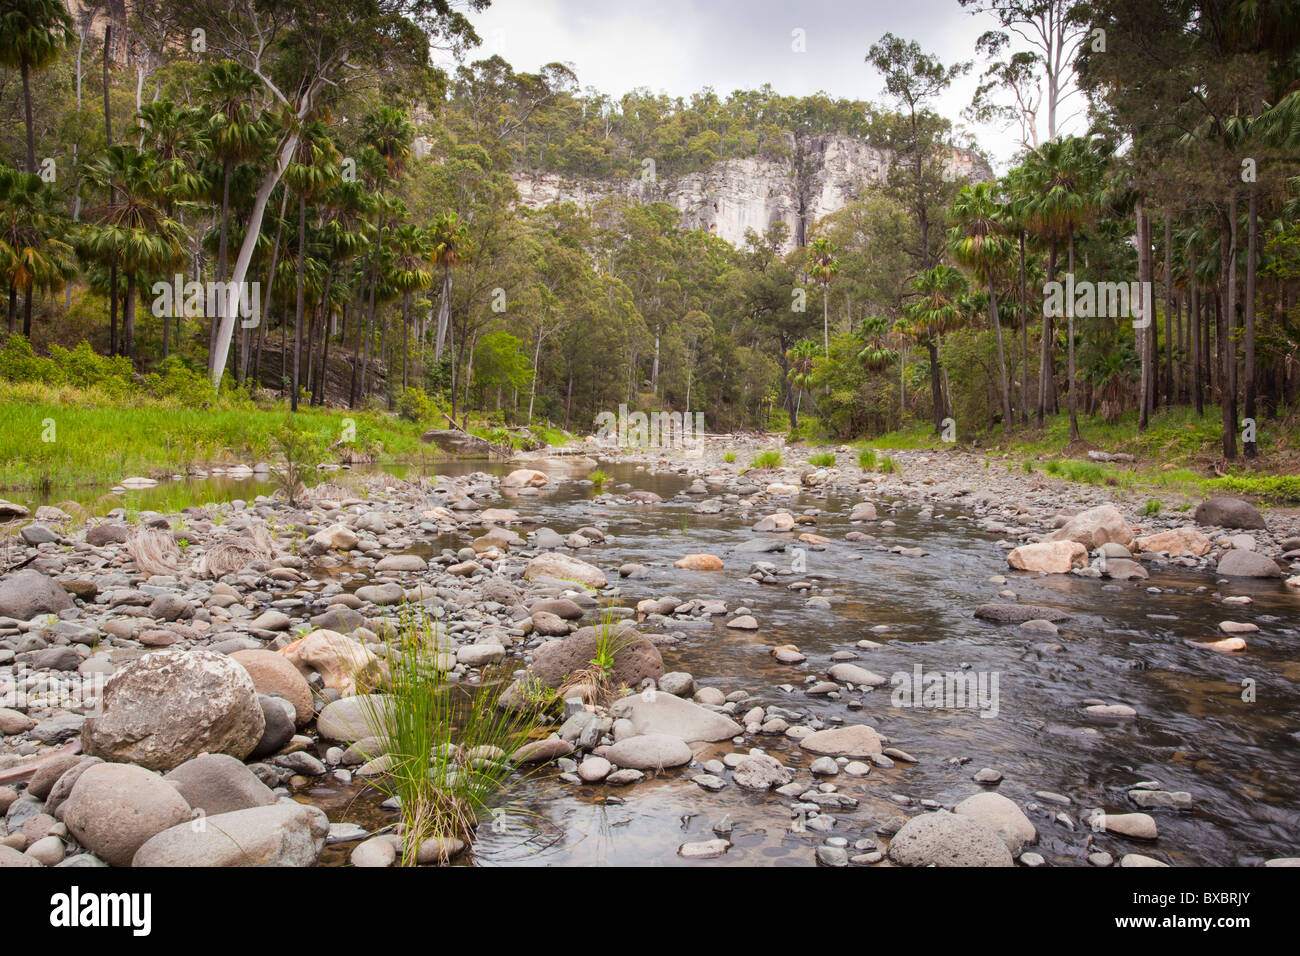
x=308 y=162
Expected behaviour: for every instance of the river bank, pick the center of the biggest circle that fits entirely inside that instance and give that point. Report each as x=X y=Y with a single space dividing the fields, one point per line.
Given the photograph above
x=778 y=729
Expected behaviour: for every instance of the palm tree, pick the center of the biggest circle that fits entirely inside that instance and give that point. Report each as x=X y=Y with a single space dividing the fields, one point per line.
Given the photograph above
x=977 y=240
x=33 y=256
x=32 y=34
x=802 y=360
x=311 y=172
x=451 y=244
x=1063 y=177
x=931 y=317
x=822 y=267
x=131 y=229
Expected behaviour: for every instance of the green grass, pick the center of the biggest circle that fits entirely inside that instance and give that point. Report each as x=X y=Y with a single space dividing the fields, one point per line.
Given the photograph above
x=98 y=439
x=448 y=747
x=767 y=459
x=1152 y=507
x=887 y=466
x=1279 y=489
x=729 y=457
x=867 y=459
x=823 y=459
x=598 y=478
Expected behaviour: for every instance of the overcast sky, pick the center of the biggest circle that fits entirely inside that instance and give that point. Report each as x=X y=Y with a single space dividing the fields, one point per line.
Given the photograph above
x=681 y=46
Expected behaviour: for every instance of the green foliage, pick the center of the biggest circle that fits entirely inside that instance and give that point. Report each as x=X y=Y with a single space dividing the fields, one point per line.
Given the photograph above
x=301 y=451
x=825 y=459
x=867 y=459
x=1279 y=489
x=417 y=406
x=767 y=459
x=887 y=465
x=729 y=457
x=1152 y=507
x=598 y=478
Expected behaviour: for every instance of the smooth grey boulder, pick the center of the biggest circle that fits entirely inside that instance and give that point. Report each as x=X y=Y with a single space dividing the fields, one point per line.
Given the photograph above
x=282 y=834
x=945 y=839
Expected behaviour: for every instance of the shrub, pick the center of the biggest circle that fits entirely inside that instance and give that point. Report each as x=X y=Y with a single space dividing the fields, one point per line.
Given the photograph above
x=300 y=452
x=415 y=405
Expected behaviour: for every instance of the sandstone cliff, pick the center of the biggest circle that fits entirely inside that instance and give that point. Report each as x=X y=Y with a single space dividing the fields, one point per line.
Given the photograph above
x=823 y=175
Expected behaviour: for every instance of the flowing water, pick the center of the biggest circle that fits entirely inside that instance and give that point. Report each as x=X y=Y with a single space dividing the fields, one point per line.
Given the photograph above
x=1194 y=731
x=1221 y=727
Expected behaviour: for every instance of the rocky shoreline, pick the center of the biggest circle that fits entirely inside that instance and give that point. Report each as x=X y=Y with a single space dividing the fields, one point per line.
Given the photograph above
x=160 y=673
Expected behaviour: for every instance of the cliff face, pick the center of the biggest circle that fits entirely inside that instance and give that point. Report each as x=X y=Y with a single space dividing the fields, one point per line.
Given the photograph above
x=824 y=175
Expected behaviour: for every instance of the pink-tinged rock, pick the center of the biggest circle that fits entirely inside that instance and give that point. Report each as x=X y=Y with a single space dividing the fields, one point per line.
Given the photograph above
x=1051 y=557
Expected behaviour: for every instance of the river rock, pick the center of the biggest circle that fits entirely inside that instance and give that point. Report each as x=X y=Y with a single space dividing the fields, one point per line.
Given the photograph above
x=28 y=593
x=1051 y=557
x=1176 y=541
x=699 y=562
x=1095 y=527
x=853 y=674
x=354 y=718
x=650 y=752
x=1229 y=513
x=168 y=706
x=273 y=674
x=1239 y=563
x=334 y=538
x=105 y=533
x=115 y=808
x=635 y=657
x=340 y=660
x=662 y=713
x=565 y=568
x=278 y=834
x=1018 y=613
x=1000 y=815
x=218 y=783
x=759 y=771
x=1139 y=826
x=855 y=742
x=525 y=478
x=945 y=839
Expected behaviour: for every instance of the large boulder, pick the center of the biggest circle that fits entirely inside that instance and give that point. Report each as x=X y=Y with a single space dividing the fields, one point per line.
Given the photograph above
x=1175 y=541
x=565 y=568
x=1229 y=513
x=945 y=839
x=218 y=783
x=275 y=675
x=760 y=771
x=1051 y=557
x=1095 y=527
x=1240 y=563
x=857 y=741
x=114 y=808
x=28 y=593
x=354 y=718
x=650 y=752
x=525 y=478
x=663 y=713
x=635 y=657
x=1000 y=815
x=281 y=834
x=168 y=706
x=339 y=660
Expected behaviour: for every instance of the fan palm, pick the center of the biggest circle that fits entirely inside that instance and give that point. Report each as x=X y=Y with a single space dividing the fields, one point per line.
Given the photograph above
x=32 y=35
x=977 y=241
x=932 y=316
